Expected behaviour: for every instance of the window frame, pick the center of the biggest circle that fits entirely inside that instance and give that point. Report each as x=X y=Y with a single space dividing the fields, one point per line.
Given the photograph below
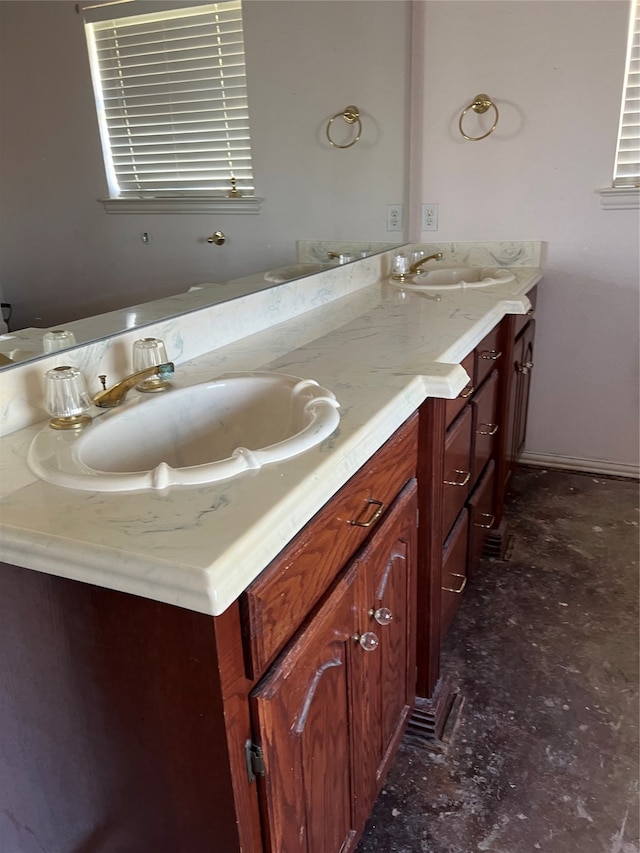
x=623 y=193
x=171 y=200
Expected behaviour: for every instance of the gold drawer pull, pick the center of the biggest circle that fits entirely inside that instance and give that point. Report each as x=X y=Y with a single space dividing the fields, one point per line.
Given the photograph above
x=466 y=392
x=461 y=480
x=462 y=585
x=486 y=515
x=525 y=367
x=491 y=355
x=489 y=429
x=376 y=515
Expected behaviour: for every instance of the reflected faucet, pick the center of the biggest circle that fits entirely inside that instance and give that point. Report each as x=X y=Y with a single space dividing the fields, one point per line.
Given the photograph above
x=110 y=397
x=417 y=267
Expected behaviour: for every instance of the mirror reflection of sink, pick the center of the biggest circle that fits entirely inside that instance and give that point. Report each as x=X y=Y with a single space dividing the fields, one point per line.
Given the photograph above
x=280 y=276
x=456 y=278
x=190 y=436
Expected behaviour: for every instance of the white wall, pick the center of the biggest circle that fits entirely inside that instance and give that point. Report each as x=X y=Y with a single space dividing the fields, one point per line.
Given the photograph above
x=555 y=69
x=63 y=257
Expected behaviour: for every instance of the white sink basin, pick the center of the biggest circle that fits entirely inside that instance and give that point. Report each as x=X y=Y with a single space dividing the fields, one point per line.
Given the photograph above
x=190 y=436
x=456 y=278
x=280 y=276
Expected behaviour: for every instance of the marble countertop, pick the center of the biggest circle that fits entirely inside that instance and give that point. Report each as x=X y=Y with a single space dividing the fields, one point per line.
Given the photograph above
x=381 y=350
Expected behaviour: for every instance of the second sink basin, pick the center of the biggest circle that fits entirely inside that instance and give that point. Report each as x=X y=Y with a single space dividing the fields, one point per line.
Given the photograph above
x=457 y=278
x=190 y=436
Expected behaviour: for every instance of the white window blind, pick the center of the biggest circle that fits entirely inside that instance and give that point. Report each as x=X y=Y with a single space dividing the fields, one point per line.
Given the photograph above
x=171 y=96
x=627 y=168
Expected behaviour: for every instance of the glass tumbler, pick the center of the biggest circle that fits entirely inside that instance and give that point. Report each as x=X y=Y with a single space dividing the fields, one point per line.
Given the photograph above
x=67 y=398
x=148 y=353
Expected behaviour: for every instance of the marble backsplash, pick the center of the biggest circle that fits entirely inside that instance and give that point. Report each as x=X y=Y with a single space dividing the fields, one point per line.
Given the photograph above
x=201 y=328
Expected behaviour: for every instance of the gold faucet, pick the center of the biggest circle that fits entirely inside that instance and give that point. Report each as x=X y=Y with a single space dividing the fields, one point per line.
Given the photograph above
x=110 y=397
x=414 y=268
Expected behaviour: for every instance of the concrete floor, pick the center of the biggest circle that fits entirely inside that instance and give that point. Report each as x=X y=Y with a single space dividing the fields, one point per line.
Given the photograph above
x=544 y=650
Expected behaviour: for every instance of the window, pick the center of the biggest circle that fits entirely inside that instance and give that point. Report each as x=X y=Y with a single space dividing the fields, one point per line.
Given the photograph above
x=627 y=169
x=626 y=176
x=171 y=97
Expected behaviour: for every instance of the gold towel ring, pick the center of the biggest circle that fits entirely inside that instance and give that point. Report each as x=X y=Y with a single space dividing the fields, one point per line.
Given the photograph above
x=351 y=115
x=480 y=105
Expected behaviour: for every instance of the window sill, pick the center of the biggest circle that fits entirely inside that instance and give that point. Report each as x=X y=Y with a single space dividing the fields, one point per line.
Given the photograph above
x=619 y=198
x=246 y=205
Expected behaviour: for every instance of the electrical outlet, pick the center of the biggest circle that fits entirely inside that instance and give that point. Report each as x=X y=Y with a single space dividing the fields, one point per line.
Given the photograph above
x=429 y=217
x=394 y=217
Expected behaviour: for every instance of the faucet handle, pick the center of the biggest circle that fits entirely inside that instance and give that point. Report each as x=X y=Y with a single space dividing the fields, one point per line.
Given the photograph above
x=67 y=398
x=150 y=352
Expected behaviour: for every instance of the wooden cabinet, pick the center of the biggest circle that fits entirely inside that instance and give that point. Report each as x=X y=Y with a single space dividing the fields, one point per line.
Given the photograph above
x=481 y=516
x=468 y=448
x=518 y=337
x=279 y=600
x=149 y=717
x=453 y=578
x=456 y=470
x=522 y=366
x=303 y=711
x=332 y=709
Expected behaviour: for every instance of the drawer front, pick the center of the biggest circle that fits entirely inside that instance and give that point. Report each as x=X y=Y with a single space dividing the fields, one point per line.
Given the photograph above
x=454 y=571
x=454 y=407
x=487 y=356
x=523 y=319
x=279 y=600
x=457 y=469
x=481 y=516
x=485 y=424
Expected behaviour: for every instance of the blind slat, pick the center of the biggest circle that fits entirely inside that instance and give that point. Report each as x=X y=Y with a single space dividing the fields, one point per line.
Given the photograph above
x=172 y=100
x=627 y=165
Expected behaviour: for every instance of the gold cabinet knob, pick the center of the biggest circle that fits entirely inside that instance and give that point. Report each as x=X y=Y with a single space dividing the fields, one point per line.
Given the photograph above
x=217 y=237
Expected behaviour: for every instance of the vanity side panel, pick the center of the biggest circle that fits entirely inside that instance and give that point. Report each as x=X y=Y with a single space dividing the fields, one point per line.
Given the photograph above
x=432 y=430
x=111 y=734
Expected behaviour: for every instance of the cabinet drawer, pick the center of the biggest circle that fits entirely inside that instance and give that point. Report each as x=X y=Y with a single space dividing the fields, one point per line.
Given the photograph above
x=485 y=424
x=523 y=319
x=454 y=407
x=454 y=571
x=481 y=517
x=279 y=600
x=457 y=469
x=487 y=356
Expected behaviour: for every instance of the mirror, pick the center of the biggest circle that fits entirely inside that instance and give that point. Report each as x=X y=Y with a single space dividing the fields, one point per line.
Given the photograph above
x=64 y=258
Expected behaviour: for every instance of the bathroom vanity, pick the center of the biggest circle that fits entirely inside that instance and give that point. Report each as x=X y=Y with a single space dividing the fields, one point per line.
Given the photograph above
x=231 y=667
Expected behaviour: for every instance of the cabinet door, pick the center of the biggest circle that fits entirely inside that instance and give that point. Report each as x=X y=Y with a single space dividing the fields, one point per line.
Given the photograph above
x=384 y=679
x=454 y=572
x=518 y=405
x=457 y=469
x=303 y=718
x=481 y=517
x=523 y=367
x=333 y=708
x=485 y=425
